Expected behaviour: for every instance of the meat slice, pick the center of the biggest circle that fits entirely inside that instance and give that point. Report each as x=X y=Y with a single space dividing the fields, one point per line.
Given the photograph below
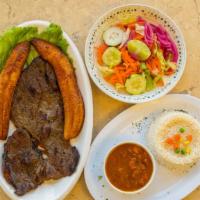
x=23 y=165
x=73 y=103
x=37 y=150
x=61 y=155
x=37 y=99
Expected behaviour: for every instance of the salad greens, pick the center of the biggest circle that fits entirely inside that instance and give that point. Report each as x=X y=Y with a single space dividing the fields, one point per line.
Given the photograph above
x=53 y=33
x=13 y=36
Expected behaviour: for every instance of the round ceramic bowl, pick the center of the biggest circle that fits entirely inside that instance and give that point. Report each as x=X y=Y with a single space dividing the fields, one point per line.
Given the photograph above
x=111 y=17
x=152 y=175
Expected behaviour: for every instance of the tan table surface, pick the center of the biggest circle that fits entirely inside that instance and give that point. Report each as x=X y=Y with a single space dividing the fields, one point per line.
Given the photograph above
x=77 y=16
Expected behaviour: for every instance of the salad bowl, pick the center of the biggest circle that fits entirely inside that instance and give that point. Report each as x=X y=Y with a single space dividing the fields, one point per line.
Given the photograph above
x=152 y=16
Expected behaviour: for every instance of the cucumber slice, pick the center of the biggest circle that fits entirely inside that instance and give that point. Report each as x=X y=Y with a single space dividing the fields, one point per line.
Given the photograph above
x=111 y=57
x=136 y=84
x=140 y=49
x=113 y=36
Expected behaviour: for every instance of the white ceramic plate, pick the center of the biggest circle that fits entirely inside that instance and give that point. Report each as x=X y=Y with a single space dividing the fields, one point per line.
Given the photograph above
x=111 y=17
x=132 y=125
x=59 y=189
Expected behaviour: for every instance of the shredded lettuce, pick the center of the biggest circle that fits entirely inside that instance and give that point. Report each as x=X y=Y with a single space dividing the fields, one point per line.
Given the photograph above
x=11 y=37
x=150 y=84
x=53 y=33
x=161 y=58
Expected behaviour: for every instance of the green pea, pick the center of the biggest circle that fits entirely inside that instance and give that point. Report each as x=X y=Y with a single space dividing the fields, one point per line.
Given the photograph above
x=182 y=130
x=177 y=150
x=183 y=152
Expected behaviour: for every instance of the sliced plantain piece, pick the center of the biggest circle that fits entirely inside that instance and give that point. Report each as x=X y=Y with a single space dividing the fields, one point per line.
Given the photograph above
x=72 y=99
x=8 y=80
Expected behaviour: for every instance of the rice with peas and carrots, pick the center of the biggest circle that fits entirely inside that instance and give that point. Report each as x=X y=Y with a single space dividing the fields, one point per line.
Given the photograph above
x=174 y=138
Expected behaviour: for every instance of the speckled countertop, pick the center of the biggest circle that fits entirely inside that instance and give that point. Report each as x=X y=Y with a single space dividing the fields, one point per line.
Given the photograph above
x=77 y=16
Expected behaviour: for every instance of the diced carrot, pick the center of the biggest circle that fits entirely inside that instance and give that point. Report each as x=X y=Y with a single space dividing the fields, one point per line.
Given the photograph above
x=100 y=51
x=177 y=137
x=169 y=141
x=175 y=145
x=189 y=138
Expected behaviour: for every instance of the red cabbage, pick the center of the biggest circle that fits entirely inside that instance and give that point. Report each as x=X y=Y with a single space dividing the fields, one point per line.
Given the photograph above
x=148 y=34
x=166 y=44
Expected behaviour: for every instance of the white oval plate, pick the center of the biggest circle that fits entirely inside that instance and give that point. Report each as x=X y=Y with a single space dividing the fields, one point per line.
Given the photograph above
x=111 y=17
x=59 y=189
x=132 y=125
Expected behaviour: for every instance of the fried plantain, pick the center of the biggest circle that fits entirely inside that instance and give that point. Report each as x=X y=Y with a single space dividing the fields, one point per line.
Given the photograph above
x=72 y=99
x=8 y=80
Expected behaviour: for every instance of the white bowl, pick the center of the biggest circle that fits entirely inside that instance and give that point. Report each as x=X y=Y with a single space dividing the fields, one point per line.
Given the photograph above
x=111 y=17
x=152 y=175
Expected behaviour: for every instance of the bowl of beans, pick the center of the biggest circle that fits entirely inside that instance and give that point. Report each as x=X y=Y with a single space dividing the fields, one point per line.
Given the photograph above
x=129 y=167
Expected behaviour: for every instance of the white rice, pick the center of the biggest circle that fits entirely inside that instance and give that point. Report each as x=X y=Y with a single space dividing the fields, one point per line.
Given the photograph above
x=168 y=124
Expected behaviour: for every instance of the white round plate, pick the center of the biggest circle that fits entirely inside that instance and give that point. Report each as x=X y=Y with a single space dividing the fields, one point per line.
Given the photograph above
x=132 y=125
x=60 y=188
x=111 y=17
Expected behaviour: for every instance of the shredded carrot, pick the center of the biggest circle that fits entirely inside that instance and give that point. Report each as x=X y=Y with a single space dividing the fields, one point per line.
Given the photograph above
x=122 y=72
x=128 y=60
x=153 y=64
x=100 y=51
x=138 y=36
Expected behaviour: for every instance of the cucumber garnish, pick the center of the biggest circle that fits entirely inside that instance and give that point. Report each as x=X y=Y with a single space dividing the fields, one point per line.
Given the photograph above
x=136 y=84
x=111 y=57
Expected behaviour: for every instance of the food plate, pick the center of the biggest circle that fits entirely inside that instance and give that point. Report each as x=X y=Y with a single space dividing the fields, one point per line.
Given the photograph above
x=110 y=18
x=59 y=189
x=132 y=125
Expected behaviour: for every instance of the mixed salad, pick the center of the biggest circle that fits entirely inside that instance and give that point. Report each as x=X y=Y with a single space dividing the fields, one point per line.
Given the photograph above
x=135 y=55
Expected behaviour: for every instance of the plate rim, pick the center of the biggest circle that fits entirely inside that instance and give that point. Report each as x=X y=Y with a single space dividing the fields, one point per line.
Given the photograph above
x=130 y=100
x=89 y=126
x=178 y=194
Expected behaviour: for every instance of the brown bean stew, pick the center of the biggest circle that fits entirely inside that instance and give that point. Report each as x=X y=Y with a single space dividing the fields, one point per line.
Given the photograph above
x=129 y=167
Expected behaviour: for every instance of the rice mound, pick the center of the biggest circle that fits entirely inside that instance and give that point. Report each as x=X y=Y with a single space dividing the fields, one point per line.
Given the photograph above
x=166 y=125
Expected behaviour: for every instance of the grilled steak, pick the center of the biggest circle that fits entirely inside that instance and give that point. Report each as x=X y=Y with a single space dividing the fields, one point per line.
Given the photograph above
x=23 y=165
x=37 y=99
x=37 y=112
